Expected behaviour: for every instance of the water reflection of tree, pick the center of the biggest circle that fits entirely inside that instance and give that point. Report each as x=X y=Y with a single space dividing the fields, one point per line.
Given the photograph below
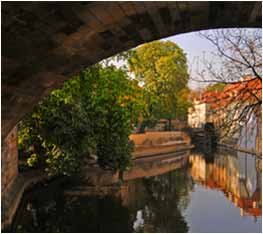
x=74 y=214
x=93 y=214
x=166 y=198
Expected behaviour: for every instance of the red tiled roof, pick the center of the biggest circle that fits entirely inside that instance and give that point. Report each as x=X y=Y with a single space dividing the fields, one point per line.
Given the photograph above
x=246 y=90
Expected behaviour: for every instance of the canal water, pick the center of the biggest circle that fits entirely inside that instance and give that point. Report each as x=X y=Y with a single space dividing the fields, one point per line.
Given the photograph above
x=193 y=192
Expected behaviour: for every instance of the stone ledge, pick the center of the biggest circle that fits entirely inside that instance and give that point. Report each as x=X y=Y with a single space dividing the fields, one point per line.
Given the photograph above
x=160 y=150
x=14 y=193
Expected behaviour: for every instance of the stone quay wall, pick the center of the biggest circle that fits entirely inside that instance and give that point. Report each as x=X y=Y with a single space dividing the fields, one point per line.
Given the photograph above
x=9 y=160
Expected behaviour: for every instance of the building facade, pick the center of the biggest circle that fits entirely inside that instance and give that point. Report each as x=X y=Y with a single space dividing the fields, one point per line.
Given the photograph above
x=235 y=112
x=198 y=114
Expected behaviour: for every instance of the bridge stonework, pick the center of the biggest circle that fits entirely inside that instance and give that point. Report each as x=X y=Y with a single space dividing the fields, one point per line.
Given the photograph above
x=9 y=161
x=45 y=43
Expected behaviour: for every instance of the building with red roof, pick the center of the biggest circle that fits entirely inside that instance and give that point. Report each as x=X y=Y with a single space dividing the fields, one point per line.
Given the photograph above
x=236 y=105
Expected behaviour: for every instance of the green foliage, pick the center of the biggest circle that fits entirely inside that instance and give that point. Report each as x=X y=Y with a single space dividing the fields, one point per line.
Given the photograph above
x=116 y=99
x=93 y=113
x=216 y=87
x=162 y=67
x=59 y=131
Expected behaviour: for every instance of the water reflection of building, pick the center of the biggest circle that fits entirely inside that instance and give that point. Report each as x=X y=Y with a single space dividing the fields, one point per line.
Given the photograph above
x=238 y=177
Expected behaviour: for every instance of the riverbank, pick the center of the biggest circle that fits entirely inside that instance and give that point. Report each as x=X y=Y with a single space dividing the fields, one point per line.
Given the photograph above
x=156 y=143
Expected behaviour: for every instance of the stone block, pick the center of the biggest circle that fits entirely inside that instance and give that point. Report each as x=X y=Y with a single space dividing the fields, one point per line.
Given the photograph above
x=9 y=160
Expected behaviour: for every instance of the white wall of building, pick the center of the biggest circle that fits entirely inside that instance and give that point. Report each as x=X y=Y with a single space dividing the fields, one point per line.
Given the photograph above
x=197 y=115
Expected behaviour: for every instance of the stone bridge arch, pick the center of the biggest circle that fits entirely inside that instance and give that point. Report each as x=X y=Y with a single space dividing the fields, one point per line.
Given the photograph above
x=45 y=43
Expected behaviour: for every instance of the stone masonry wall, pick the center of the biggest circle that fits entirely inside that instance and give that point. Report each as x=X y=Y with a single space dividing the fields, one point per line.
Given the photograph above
x=9 y=160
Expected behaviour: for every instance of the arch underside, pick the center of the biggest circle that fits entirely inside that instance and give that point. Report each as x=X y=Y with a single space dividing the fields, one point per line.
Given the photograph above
x=44 y=44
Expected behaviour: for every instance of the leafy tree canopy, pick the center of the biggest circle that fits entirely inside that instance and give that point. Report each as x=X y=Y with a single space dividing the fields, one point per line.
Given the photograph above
x=93 y=113
x=216 y=87
x=162 y=67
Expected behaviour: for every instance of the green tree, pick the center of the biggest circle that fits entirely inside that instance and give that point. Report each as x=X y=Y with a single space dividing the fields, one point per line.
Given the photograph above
x=58 y=132
x=117 y=101
x=216 y=87
x=93 y=113
x=162 y=68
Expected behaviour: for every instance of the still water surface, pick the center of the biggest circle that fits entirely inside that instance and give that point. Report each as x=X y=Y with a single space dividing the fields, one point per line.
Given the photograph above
x=194 y=192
